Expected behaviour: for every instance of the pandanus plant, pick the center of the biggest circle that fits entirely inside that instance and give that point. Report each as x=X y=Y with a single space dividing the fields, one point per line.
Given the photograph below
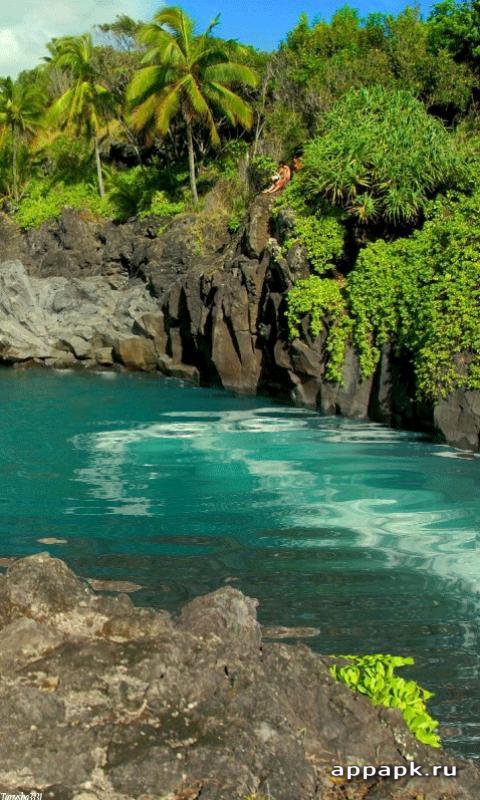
x=189 y=75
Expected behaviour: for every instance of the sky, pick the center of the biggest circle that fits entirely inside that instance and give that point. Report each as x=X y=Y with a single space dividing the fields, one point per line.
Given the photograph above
x=25 y=25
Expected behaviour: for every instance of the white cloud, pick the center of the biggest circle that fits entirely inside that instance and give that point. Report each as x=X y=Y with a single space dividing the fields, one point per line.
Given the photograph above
x=26 y=25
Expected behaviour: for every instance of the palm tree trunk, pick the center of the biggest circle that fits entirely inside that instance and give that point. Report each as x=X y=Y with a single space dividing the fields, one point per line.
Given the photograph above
x=98 y=161
x=191 y=161
x=15 y=166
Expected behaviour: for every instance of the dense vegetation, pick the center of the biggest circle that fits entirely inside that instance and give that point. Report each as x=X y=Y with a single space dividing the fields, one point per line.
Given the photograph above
x=148 y=118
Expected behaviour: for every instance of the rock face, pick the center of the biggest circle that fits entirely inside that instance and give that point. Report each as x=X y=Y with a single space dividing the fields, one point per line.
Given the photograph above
x=198 y=305
x=59 y=321
x=102 y=700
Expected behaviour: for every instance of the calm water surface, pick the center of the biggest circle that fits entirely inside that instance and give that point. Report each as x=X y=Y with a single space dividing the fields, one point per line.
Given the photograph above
x=369 y=534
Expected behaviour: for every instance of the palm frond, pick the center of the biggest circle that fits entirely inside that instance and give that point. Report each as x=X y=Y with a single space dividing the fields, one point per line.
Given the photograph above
x=230 y=104
x=229 y=73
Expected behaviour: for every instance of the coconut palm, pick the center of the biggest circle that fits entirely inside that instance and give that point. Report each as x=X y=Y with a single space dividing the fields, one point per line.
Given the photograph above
x=21 y=110
x=187 y=74
x=84 y=107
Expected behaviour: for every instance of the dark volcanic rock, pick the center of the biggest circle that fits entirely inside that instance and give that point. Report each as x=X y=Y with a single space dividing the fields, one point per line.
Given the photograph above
x=458 y=418
x=101 y=700
x=196 y=303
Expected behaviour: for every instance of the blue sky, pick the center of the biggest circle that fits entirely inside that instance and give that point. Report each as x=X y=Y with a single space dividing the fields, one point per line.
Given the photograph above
x=25 y=25
x=265 y=22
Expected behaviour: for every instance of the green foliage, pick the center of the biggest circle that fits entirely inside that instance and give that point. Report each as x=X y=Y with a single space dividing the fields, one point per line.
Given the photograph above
x=196 y=77
x=322 y=299
x=381 y=156
x=323 y=60
x=374 y=676
x=260 y=171
x=21 y=111
x=323 y=238
x=162 y=206
x=141 y=191
x=455 y=26
x=423 y=294
x=43 y=202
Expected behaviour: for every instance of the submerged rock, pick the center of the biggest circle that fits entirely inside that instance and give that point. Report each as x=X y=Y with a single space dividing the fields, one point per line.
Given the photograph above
x=103 y=700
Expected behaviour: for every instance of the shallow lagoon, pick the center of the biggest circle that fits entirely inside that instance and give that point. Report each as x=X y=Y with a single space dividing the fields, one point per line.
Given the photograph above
x=369 y=534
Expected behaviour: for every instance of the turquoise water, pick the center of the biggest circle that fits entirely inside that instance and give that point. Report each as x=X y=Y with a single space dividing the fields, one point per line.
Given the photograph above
x=369 y=534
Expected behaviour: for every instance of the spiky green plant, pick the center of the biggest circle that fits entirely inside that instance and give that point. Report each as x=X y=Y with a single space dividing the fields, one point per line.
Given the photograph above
x=188 y=74
x=85 y=106
x=21 y=110
x=381 y=156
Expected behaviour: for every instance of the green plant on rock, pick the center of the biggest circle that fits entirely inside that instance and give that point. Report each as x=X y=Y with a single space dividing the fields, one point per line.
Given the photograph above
x=161 y=205
x=43 y=202
x=323 y=301
x=374 y=676
x=319 y=228
x=422 y=294
x=323 y=238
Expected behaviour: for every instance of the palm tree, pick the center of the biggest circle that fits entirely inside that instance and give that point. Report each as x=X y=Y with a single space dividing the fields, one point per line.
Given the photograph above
x=189 y=75
x=21 y=109
x=84 y=107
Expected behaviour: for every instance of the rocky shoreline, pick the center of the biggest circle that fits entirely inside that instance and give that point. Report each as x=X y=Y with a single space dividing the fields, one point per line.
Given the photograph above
x=195 y=303
x=104 y=701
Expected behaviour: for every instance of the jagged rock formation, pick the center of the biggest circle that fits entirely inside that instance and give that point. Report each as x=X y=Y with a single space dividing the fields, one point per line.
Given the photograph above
x=196 y=304
x=101 y=700
x=60 y=321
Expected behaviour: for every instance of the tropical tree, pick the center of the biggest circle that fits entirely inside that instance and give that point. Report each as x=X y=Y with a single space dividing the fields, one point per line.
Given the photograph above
x=85 y=106
x=188 y=74
x=21 y=110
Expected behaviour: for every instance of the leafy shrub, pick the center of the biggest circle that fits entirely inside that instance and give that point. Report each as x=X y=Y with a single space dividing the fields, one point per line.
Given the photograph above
x=162 y=206
x=423 y=294
x=323 y=238
x=380 y=155
x=323 y=301
x=374 y=676
x=260 y=171
x=43 y=202
x=68 y=160
x=140 y=191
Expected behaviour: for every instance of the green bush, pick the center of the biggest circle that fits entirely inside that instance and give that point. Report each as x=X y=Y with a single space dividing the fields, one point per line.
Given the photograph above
x=323 y=238
x=141 y=191
x=260 y=171
x=423 y=294
x=322 y=299
x=162 y=206
x=43 y=202
x=374 y=676
x=380 y=155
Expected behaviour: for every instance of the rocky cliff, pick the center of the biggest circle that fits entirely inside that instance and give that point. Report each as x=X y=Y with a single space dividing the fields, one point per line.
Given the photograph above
x=100 y=700
x=193 y=302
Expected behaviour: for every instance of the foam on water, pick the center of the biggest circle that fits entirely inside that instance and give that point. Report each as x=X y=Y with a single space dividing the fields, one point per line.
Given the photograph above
x=370 y=534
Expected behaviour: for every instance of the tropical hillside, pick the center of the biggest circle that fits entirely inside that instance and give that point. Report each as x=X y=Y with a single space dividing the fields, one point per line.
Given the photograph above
x=154 y=118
